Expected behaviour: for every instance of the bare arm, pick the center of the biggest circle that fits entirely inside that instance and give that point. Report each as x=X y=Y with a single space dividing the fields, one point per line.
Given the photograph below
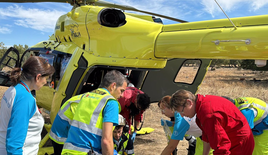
x=172 y=144
x=107 y=139
x=206 y=148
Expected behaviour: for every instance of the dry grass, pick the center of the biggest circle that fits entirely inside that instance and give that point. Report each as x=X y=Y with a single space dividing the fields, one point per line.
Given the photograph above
x=223 y=82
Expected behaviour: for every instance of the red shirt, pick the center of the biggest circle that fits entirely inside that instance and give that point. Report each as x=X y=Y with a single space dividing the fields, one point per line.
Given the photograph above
x=223 y=126
x=129 y=96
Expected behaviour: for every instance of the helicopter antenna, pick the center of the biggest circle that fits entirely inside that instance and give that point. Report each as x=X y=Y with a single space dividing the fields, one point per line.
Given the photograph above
x=226 y=15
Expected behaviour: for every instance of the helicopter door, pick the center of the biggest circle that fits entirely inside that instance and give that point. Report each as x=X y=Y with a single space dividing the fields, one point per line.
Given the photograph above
x=178 y=74
x=9 y=61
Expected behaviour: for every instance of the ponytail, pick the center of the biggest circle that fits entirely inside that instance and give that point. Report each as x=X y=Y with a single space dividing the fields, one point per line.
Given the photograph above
x=15 y=75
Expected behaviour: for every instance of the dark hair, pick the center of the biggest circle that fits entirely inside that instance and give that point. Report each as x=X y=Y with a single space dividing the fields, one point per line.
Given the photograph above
x=113 y=76
x=33 y=66
x=118 y=127
x=144 y=101
x=228 y=98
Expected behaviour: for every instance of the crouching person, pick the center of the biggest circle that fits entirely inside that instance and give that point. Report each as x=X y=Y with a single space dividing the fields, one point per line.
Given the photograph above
x=123 y=143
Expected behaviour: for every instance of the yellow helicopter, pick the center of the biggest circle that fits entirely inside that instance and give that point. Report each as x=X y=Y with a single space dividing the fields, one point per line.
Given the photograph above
x=97 y=36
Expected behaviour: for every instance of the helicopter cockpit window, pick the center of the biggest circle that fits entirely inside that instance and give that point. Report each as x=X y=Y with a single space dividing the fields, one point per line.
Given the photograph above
x=26 y=56
x=188 y=71
x=64 y=64
x=9 y=62
x=49 y=58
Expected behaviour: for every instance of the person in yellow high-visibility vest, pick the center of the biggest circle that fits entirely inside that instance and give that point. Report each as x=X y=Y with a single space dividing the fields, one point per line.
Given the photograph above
x=91 y=130
x=60 y=127
x=255 y=111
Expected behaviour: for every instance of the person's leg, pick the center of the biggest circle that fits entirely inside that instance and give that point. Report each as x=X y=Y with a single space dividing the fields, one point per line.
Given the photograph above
x=175 y=152
x=199 y=147
x=261 y=144
x=57 y=148
x=192 y=144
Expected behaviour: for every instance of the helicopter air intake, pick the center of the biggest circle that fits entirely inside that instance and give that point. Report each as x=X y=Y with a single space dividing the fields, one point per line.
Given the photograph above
x=111 y=18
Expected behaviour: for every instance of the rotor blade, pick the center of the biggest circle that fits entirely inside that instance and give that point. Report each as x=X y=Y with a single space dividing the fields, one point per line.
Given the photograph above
x=33 y=1
x=36 y=1
x=130 y=8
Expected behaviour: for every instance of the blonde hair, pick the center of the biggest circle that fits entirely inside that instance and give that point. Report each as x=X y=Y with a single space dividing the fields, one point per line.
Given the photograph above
x=180 y=97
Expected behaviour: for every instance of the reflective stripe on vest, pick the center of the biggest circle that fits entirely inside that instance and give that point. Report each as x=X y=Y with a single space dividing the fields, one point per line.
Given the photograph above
x=62 y=111
x=66 y=106
x=262 y=111
x=58 y=139
x=91 y=126
x=89 y=116
x=124 y=146
x=130 y=151
x=70 y=146
x=263 y=116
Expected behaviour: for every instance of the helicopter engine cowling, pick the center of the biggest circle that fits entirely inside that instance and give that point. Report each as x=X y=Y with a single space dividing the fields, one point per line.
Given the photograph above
x=111 y=17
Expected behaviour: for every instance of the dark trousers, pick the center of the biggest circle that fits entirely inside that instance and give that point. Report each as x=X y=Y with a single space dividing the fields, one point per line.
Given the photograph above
x=191 y=150
x=57 y=148
x=174 y=152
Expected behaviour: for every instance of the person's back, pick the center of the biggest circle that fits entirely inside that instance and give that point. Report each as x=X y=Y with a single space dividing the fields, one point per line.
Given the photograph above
x=133 y=103
x=258 y=108
x=216 y=114
x=255 y=111
x=128 y=97
x=88 y=122
x=95 y=116
x=60 y=127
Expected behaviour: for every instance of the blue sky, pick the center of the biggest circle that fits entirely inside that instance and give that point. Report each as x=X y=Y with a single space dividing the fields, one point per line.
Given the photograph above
x=30 y=23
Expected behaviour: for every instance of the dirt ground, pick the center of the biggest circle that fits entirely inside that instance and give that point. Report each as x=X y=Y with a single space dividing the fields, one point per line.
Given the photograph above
x=224 y=82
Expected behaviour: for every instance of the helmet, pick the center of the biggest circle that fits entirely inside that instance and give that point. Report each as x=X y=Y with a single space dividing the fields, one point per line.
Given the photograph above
x=121 y=120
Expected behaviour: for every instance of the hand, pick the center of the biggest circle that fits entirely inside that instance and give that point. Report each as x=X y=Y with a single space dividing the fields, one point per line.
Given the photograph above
x=133 y=136
x=163 y=122
x=115 y=152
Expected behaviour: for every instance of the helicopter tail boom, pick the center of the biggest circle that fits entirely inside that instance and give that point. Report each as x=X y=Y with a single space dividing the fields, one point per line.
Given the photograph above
x=215 y=39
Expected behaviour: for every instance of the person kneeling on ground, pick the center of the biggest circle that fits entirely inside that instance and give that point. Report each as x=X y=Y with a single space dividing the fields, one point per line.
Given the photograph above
x=123 y=144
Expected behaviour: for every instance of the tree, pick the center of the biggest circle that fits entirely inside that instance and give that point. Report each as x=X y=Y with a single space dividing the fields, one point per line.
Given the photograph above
x=225 y=62
x=250 y=64
x=3 y=49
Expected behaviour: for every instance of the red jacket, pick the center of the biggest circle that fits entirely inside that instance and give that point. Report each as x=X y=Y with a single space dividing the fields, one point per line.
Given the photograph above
x=223 y=126
x=129 y=96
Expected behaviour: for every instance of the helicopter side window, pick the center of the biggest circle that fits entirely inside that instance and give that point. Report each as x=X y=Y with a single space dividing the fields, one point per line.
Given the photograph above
x=64 y=64
x=190 y=67
x=50 y=60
